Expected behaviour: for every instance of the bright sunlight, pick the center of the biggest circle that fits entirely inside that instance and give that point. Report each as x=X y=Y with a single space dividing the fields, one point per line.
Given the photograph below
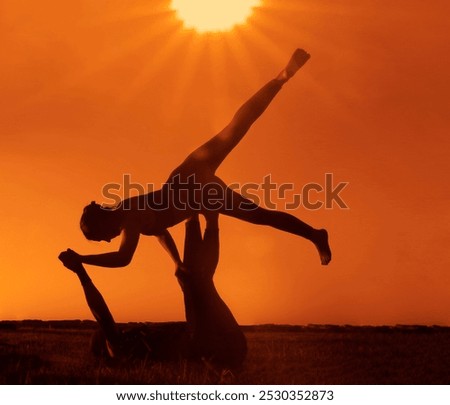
x=213 y=15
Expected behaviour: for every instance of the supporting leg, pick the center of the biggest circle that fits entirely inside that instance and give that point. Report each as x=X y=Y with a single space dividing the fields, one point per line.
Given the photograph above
x=211 y=244
x=192 y=243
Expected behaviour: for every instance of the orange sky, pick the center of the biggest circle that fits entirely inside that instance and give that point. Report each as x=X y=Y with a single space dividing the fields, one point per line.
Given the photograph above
x=92 y=90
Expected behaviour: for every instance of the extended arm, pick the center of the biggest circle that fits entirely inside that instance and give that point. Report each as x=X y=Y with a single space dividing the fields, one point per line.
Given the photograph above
x=121 y=258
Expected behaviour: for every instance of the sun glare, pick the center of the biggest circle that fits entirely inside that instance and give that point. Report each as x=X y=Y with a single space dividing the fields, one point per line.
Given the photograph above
x=213 y=15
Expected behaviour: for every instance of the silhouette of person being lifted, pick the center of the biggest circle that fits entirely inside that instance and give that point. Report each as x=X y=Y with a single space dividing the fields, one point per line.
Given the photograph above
x=153 y=213
x=212 y=334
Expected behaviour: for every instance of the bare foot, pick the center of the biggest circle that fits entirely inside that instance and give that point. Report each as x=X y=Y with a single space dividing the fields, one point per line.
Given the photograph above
x=321 y=242
x=298 y=59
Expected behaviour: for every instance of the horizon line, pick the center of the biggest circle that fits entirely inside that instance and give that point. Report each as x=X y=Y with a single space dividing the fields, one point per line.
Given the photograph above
x=309 y=325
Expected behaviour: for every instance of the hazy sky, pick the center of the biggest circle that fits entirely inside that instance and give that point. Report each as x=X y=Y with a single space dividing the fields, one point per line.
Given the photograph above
x=92 y=90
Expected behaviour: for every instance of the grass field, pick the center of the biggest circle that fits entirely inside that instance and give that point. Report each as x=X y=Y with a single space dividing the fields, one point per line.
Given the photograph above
x=36 y=352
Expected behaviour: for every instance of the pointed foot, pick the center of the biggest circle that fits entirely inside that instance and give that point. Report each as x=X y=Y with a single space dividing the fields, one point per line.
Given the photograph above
x=321 y=242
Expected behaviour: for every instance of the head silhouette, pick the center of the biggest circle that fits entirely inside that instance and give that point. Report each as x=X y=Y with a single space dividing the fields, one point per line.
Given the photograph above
x=100 y=223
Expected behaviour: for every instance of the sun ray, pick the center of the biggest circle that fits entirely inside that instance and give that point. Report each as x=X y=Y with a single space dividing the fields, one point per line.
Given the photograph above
x=240 y=53
x=288 y=21
x=272 y=24
x=220 y=106
x=184 y=81
x=266 y=45
x=151 y=30
x=141 y=10
x=156 y=63
x=282 y=29
x=162 y=25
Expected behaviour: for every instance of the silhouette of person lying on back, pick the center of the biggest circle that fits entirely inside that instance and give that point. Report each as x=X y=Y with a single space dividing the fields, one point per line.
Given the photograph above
x=212 y=333
x=216 y=336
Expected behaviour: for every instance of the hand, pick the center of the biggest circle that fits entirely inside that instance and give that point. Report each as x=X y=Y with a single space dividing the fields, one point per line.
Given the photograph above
x=71 y=260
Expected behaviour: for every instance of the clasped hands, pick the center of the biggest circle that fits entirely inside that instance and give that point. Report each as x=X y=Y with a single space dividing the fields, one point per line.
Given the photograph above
x=71 y=260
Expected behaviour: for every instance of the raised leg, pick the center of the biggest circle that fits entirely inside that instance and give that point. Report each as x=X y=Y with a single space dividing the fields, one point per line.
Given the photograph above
x=239 y=207
x=210 y=155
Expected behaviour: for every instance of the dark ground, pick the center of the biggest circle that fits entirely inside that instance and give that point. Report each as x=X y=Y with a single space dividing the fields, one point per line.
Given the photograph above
x=57 y=352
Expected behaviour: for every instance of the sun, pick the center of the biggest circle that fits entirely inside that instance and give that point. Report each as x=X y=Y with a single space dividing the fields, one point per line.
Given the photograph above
x=213 y=15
